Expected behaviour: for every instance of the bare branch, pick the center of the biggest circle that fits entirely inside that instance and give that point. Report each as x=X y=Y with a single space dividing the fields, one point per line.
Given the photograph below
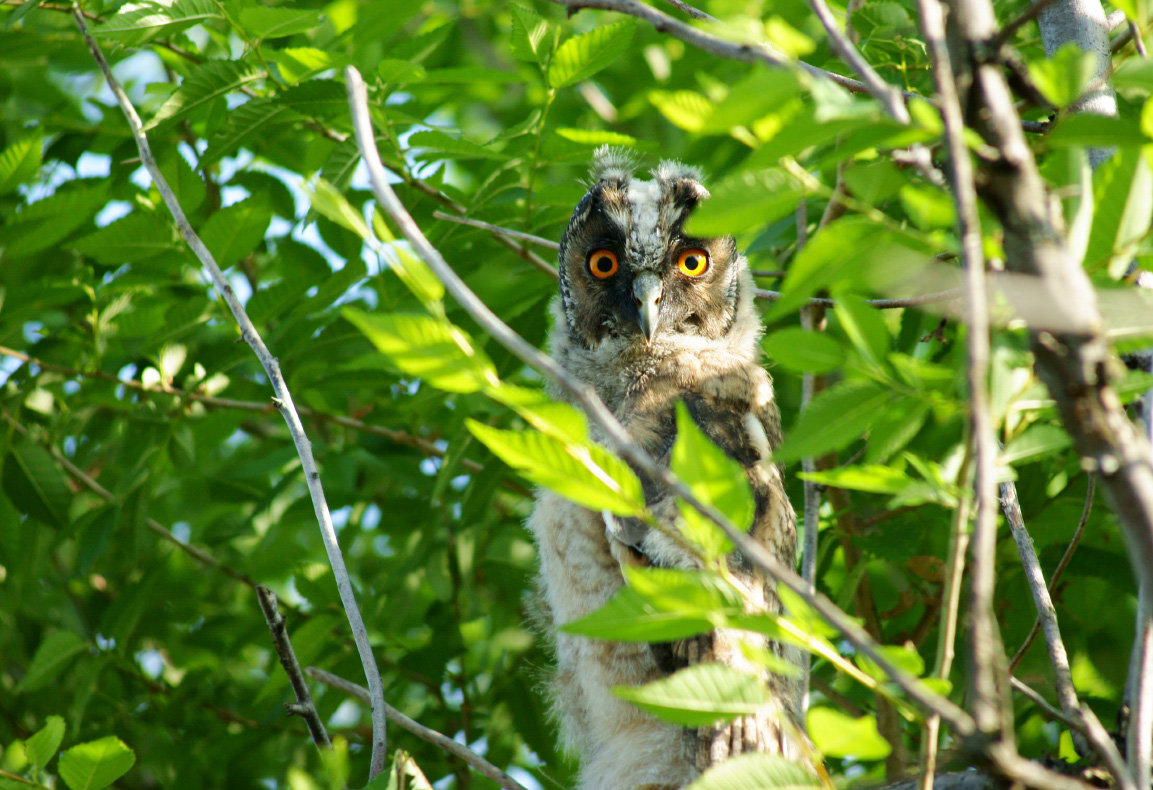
x=746 y=53
x=304 y=706
x=512 y=234
x=1060 y=569
x=986 y=681
x=1008 y=31
x=1092 y=732
x=695 y=13
x=1140 y=693
x=585 y=398
x=1051 y=711
x=889 y=96
x=459 y=750
x=881 y=304
x=282 y=396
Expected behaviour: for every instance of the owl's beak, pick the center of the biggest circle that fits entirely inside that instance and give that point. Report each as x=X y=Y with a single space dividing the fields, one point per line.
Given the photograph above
x=647 y=296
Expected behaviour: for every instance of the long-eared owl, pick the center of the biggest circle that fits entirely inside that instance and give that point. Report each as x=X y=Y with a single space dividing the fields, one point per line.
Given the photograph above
x=649 y=316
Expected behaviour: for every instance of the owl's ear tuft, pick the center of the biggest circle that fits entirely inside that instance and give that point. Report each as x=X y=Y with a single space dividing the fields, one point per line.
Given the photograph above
x=612 y=164
x=671 y=170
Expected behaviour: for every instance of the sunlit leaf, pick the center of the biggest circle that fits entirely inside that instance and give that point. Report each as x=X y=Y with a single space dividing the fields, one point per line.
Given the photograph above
x=838 y=735
x=96 y=764
x=699 y=695
x=755 y=772
x=42 y=745
x=19 y=162
x=800 y=350
x=206 y=83
x=585 y=54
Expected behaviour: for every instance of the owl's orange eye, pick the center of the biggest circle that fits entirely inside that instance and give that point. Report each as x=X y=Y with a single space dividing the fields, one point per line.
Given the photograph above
x=603 y=264
x=693 y=262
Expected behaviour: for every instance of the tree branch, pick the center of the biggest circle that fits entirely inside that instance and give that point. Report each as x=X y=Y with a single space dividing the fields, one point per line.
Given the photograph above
x=282 y=396
x=304 y=706
x=706 y=42
x=459 y=750
x=1060 y=569
x=1091 y=732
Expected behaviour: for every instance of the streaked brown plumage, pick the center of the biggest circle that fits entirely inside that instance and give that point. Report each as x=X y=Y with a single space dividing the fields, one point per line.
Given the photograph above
x=648 y=316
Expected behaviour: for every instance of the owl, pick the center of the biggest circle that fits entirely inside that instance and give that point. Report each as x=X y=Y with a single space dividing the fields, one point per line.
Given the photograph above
x=649 y=315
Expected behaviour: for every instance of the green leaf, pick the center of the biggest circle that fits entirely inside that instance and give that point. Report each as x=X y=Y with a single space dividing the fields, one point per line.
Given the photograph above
x=744 y=202
x=1035 y=443
x=20 y=162
x=1063 y=76
x=137 y=23
x=247 y=124
x=597 y=137
x=586 y=474
x=699 y=695
x=584 y=55
x=1093 y=130
x=529 y=33
x=329 y=201
x=427 y=348
x=838 y=735
x=865 y=328
x=837 y=416
x=876 y=479
x=851 y=250
x=928 y=207
x=628 y=617
x=415 y=274
x=754 y=97
x=713 y=477
x=232 y=233
x=1123 y=200
x=42 y=746
x=35 y=483
x=755 y=772
x=800 y=350
x=51 y=657
x=559 y=420
x=686 y=109
x=399 y=72
x=96 y=764
x=903 y=657
x=683 y=590
x=203 y=85
x=441 y=144
x=1134 y=74
x=137 y=237
x=265 y=22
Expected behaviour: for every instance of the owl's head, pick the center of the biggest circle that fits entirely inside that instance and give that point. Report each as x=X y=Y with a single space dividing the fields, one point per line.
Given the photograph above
x=628 y=269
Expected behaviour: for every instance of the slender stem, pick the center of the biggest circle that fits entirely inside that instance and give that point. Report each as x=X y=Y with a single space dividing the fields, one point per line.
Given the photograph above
x=282 y=397
x=458 y=750
x=304 y=706
x=1086 y=509
x=513 y=234
x=810 y=385
x=1051 y=711
x=951 y=607
x=881 y=304
x=1092 y=732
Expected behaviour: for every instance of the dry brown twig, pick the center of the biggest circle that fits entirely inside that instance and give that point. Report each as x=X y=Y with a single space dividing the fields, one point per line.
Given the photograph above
x=282 y=396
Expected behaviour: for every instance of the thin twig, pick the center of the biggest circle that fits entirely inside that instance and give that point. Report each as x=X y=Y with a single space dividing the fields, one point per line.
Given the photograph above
x=454 y=748
x=195 y=552
x=304 y=706
x=985 y=644
x=1051 y=711
x=512 y=234
x=283 y=398
x=951 y=607
x=746 y=53
x=1093 y=732
x=810 y=384
x=504 y=237
x=889 y=96
x=695 y=13
x=881 y=304
x=1086 y=509
x=585 y=398
x=1046 y=612
x=1028 y=15
x=1138 y=42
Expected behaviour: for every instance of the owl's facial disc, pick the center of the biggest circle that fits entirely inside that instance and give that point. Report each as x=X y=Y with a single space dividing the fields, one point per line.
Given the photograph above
x=647 y=290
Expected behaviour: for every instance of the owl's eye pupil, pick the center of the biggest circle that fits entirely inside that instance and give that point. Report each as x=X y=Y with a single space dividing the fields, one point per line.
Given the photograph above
x=692 y=263
x=604 y=264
